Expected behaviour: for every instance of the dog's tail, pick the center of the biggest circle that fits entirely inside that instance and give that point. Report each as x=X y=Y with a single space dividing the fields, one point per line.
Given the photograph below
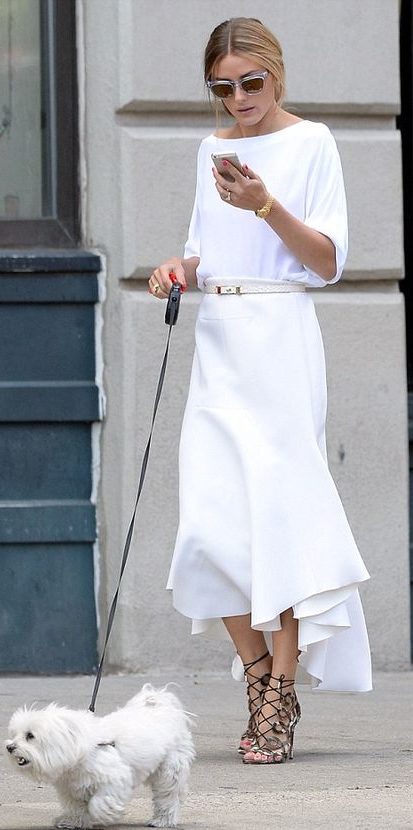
x=151 y=696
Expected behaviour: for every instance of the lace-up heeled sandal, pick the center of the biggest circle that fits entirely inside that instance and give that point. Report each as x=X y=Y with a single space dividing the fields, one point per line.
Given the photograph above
x=275 y=730
x=255 y=688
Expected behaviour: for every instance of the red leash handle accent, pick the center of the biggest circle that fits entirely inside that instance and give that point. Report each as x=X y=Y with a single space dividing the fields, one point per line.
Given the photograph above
x=173 y=278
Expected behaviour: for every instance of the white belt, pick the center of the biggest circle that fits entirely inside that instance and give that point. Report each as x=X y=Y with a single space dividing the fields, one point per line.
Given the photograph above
x=251 y=287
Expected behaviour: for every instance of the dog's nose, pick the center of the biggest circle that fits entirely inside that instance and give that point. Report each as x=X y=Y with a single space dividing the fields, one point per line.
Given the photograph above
x=11 y=747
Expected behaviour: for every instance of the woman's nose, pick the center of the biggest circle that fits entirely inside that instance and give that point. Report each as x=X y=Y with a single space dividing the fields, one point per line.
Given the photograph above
x=239 y=93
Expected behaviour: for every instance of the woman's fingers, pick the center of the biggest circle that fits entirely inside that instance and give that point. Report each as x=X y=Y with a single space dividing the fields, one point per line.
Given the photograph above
x=221 y=180
x=238 y=175
x=179 y=275
x=223 y=191
x=160 y=282
x=250 y=173
x=233 y=171
x=240 y=182
x=247 y=191
x=218 y=178
x=222 y=185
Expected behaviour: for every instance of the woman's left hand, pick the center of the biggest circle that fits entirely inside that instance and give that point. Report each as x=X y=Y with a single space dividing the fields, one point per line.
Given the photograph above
x=247 y=192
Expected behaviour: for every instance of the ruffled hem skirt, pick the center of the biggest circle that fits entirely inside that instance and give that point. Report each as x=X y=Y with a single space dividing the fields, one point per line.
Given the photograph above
x=262 y=527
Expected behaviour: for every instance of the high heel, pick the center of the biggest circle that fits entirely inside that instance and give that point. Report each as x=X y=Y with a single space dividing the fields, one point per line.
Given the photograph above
x=275 y=731
x=254 y=693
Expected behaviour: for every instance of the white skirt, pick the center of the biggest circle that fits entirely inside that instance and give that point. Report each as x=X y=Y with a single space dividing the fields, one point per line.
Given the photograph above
x=262 y=527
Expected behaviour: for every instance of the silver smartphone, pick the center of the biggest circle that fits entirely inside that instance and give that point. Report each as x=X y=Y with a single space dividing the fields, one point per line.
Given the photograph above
x=218 y=159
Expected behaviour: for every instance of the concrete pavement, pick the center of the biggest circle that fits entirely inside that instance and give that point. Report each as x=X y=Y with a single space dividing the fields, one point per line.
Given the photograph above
x=353 y=765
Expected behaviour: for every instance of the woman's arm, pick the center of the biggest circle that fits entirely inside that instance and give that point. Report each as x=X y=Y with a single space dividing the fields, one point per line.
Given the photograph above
x=190 y=265
x=315 y=250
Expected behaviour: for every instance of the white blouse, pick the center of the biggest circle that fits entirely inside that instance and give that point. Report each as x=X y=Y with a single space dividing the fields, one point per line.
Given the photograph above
x=300 y=166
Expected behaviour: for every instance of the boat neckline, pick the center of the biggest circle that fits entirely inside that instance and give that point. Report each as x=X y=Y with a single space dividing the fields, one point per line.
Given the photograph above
x=266 y=136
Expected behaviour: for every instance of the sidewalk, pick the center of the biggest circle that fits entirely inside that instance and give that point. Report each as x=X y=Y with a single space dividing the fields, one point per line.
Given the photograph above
x=353 y=765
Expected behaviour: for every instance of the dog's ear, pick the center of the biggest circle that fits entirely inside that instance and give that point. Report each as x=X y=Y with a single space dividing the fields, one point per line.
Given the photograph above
x=62 y=739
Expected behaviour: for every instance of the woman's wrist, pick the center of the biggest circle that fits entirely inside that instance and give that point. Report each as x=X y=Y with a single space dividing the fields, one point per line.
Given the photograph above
x=263 y=211
x=189 y=266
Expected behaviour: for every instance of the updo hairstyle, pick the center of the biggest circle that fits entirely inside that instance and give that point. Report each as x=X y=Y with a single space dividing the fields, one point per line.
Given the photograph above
x=246 y=36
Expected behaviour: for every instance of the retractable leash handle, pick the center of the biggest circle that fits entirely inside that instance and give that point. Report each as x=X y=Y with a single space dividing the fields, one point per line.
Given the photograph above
x=174 y=299
x=171 y=316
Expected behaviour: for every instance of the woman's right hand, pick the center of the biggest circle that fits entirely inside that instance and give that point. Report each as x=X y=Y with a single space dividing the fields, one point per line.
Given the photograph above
x=160 y=282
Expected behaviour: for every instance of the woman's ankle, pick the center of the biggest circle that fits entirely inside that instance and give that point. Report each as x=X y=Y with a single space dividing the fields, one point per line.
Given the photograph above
x=256 y=661
x=279 y=686
x=286 y=672
x=261 y=669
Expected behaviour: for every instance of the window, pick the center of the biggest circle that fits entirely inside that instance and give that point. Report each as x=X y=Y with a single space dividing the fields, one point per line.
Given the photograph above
x=38 y=123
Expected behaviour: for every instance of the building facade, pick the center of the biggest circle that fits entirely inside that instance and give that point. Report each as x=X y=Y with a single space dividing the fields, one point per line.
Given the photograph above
x=140 y=112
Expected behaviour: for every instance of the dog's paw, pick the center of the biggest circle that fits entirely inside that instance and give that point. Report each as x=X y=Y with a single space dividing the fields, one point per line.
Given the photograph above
x=70 y=823
x=162 y=821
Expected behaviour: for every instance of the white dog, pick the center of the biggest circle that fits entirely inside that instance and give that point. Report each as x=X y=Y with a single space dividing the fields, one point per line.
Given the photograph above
x=95 y=763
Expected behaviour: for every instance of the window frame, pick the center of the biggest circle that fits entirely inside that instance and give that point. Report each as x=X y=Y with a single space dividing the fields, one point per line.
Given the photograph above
x=62 y=230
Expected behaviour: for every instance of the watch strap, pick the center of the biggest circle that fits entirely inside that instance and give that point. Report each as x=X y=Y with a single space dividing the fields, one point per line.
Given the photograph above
x=263 y=212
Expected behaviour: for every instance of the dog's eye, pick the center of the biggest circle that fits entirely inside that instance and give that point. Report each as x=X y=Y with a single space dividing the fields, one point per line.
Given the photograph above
x=29 y=736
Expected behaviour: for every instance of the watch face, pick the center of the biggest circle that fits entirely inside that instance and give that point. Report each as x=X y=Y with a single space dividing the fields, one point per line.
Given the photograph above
x=264 y=211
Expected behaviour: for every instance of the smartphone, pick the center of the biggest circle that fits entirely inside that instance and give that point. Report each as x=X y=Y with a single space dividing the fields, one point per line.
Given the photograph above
x=218 y=158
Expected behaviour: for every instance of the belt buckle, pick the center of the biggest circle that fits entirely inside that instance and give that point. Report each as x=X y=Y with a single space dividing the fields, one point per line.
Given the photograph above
x=229 y=289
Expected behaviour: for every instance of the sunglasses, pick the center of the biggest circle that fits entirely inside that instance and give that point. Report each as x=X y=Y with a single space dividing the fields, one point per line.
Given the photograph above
x=252 y=85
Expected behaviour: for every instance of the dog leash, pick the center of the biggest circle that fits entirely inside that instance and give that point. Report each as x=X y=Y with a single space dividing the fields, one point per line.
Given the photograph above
x=171 y=316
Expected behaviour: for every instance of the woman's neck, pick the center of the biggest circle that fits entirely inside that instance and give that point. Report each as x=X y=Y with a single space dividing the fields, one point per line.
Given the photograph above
x=274 y=120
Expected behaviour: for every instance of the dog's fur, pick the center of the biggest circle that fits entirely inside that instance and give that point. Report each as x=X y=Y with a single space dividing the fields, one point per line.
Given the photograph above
x=95 y=762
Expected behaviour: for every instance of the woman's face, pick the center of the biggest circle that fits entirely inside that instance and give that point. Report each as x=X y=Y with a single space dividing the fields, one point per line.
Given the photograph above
x=248 y=110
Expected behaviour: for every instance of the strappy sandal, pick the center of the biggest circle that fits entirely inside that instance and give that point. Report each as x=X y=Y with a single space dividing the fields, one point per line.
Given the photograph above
x=254 y=692
x=275 y=732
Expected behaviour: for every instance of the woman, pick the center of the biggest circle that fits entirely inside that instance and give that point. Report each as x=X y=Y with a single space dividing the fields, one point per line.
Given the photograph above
x=263 y=544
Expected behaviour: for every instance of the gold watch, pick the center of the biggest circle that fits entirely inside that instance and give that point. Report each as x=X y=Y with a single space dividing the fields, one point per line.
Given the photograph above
x=264 y=211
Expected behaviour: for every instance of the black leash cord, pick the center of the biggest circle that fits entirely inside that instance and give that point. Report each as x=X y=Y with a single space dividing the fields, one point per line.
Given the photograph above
x=141 y=480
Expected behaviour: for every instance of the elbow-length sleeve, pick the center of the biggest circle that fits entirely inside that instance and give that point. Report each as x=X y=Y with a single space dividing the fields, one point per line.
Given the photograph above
x=193 y=243
x=325 y=205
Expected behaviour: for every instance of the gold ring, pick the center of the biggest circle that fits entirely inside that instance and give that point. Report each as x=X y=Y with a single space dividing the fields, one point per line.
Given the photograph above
x=156 y=288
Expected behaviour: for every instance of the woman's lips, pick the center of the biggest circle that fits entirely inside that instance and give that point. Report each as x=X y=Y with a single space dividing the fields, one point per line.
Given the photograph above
x=246 y=109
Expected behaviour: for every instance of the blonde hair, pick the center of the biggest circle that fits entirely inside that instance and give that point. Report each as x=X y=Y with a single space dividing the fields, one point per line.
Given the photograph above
x=246 y=35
